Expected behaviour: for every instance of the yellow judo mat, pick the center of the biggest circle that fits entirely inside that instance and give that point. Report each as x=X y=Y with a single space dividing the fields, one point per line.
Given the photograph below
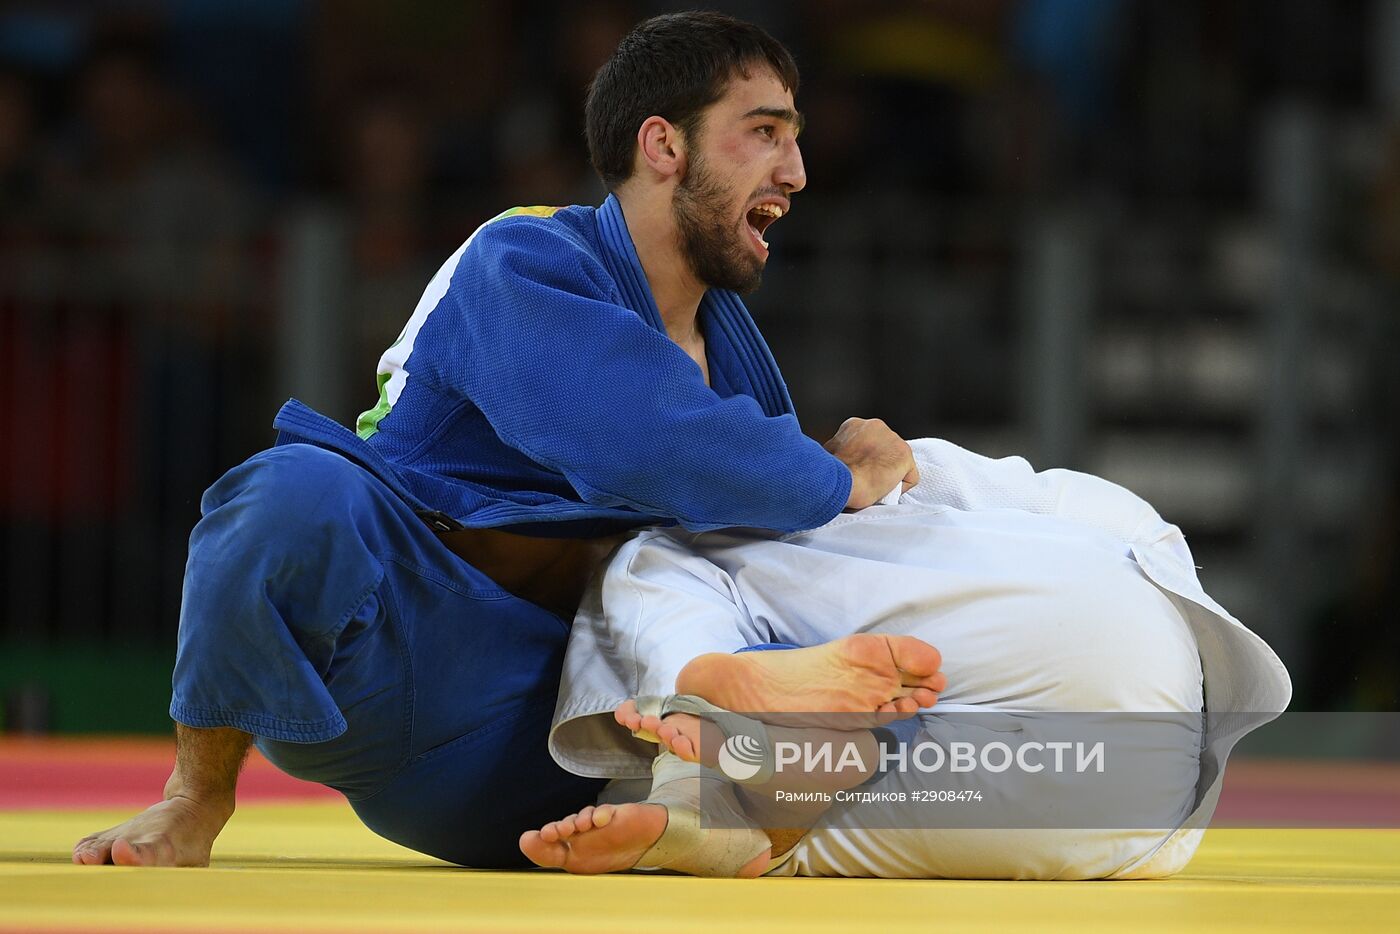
x=313 y=867
x=310 y=866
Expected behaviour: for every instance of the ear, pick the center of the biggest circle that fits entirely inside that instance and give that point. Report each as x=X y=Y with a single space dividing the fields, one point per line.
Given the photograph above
x=662 y=147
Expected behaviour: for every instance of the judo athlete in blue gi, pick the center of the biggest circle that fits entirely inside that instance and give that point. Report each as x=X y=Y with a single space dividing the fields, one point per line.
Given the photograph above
x=385 y=610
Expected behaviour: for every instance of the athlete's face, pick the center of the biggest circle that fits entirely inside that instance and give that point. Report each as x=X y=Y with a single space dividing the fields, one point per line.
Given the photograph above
x=740 y=172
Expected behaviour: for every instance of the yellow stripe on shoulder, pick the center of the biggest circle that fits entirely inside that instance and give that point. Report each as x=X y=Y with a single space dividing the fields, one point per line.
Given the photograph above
x=535 y=211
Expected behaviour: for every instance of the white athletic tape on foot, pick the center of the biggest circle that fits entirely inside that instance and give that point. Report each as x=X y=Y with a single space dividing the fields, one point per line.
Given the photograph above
x=730 y=841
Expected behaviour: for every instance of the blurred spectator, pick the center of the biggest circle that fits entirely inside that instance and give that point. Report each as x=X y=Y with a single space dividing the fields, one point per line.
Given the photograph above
x=456 y=58
x=140 y=178
x=19 y=169
x=397 y=237
x=541 y=150
x=918 y=70
x=242 y=63
x=160 y=228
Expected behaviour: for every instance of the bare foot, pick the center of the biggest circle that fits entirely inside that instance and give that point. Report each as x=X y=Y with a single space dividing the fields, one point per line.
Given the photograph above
x=178 y=831
x=606 y=838
x=860 y=673
x=199 y=800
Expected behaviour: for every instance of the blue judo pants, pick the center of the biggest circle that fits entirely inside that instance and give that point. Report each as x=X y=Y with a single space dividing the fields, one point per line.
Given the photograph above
x=323 y=616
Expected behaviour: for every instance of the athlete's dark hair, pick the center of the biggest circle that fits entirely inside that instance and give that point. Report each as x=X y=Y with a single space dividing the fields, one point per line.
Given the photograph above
x=671 y=66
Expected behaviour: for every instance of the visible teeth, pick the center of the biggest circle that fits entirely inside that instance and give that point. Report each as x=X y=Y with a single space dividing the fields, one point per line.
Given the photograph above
x=758 y=236
x=771 y=210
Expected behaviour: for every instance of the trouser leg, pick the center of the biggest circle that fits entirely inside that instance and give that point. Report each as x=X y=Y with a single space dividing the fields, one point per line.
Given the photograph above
x=323 y=617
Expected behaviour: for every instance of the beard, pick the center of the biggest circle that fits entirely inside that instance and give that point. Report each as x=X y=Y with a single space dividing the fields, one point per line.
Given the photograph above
x=709 y=239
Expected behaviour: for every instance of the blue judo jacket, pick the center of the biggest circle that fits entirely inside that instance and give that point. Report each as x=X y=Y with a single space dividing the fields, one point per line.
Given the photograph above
x=535 y=387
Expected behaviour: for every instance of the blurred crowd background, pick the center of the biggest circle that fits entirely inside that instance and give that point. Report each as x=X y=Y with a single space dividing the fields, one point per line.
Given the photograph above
x=1154 y=239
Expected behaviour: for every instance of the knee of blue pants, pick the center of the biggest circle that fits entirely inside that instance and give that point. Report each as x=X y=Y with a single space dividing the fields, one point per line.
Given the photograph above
x=278 y=565
x=301 y=520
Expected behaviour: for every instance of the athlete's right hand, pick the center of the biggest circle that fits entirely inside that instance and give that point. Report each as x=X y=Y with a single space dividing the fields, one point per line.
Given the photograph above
x=877 y=458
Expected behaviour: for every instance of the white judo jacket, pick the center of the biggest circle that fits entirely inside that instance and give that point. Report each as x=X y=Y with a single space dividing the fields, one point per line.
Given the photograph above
x=1054 y=590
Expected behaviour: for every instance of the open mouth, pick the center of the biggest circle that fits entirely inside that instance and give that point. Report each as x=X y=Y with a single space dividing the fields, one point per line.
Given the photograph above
x=760 y=217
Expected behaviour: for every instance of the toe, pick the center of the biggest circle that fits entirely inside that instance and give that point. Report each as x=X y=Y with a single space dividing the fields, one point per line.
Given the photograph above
x=90 y=853
x=125 y=853
x=906 y=706
x=937 y=681
x=683 y=747
x=627 y=715
x=915 y=656
x=563 y=828
x=542 y=852
x=603 y=815
x=584 y=821
x=924 y=697
x=679 y=743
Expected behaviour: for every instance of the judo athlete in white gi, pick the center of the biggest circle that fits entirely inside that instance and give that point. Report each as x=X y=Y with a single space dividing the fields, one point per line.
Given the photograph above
x=1045 y=592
